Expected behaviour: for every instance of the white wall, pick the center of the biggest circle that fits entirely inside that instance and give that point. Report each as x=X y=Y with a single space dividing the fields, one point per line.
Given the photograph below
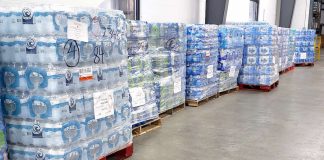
x=301 y=14
x=238 y=11
x=184 y=11
x=267 y=11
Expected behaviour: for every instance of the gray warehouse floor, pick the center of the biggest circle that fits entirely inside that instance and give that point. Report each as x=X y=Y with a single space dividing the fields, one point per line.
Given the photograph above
x=284 y=124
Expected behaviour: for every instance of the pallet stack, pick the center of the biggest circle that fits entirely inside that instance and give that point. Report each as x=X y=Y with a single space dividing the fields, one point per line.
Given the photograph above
x=140 y=79
x=285 y=54
x=231 y=41
x=66 y=97
x=304 y=51
x=260 y=60
x=202 y=54
x=167 y=46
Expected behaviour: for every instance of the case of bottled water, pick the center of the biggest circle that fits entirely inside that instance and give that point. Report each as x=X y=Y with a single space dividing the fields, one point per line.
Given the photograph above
x=64 y=81
x=202 y=55
x=167 y=46
x=260 y=58
x=143 y=96
x=304 y=51
x=231 y=40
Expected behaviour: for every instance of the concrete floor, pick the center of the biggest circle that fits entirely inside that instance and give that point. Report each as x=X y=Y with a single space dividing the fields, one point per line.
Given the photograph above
x=285 y=124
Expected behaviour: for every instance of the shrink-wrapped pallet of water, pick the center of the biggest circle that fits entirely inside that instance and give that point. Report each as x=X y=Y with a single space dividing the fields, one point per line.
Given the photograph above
x=202 y=55
x=231 y=40
x=167 y=46
x=141 y=82
x=260 y=58
x=64 y=85
x=304 y=51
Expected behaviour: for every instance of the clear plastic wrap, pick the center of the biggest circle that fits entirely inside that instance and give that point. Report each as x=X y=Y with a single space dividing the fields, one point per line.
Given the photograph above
x=304 y=51
x=167 y=46
x=231 y=39
x=202 y=55
x=261 y=57
x=141 y=77
x=64 y=81
x=285 y=45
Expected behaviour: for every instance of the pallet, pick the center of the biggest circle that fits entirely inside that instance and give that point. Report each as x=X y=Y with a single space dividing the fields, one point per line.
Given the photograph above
x=229 y=91
x=197 y=103
x=260 y=87
x=304 y=65
x=120 y=154
x=146 y=127
x=287 y=70
x=171 y=111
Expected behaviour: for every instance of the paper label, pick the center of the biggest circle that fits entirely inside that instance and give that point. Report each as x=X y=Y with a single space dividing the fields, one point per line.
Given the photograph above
x=303 y=55
x=138 y=96
x=232 y=71
x=207 y=53
x=103 y=104
x=172 y=58
x=274 y=60
x=177 y=85
x=210 y=71
x=77 y=31
x=85 y=74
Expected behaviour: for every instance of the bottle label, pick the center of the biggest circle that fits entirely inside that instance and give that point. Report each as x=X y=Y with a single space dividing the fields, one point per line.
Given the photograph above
x=27 y=16
x=37 y=131
x=31 y=46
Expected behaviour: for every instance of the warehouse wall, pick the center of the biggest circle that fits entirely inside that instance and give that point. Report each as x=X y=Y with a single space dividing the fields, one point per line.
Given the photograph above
x=268 y=11
x=238 y=11
x=185 y=11
x=300 y=17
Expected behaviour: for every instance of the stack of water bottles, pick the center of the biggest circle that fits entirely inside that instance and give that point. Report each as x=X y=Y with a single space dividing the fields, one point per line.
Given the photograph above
x=64 y=86
x=202 y=55
x=283 y=48
x=291 y=47
x=167 y=44
x=231 y=41
x=141 y=83
x=304 y=51
x=260 y=60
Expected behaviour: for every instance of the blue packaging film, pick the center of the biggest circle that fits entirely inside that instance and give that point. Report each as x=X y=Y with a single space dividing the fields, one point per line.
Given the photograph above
x=304 y=46
x=65 y=98
x=167 y=47
x=142 y=88
x=260 y=57
x=202 y=77
x=231 y=39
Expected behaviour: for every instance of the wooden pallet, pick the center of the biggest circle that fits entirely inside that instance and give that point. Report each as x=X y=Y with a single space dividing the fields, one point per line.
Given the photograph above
x=197 y=103
x=120 y=154
x=304 y=65
x=287 y=70
x=229 y=91
x=171 y=111
x=146 y=127
x=260 y=87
